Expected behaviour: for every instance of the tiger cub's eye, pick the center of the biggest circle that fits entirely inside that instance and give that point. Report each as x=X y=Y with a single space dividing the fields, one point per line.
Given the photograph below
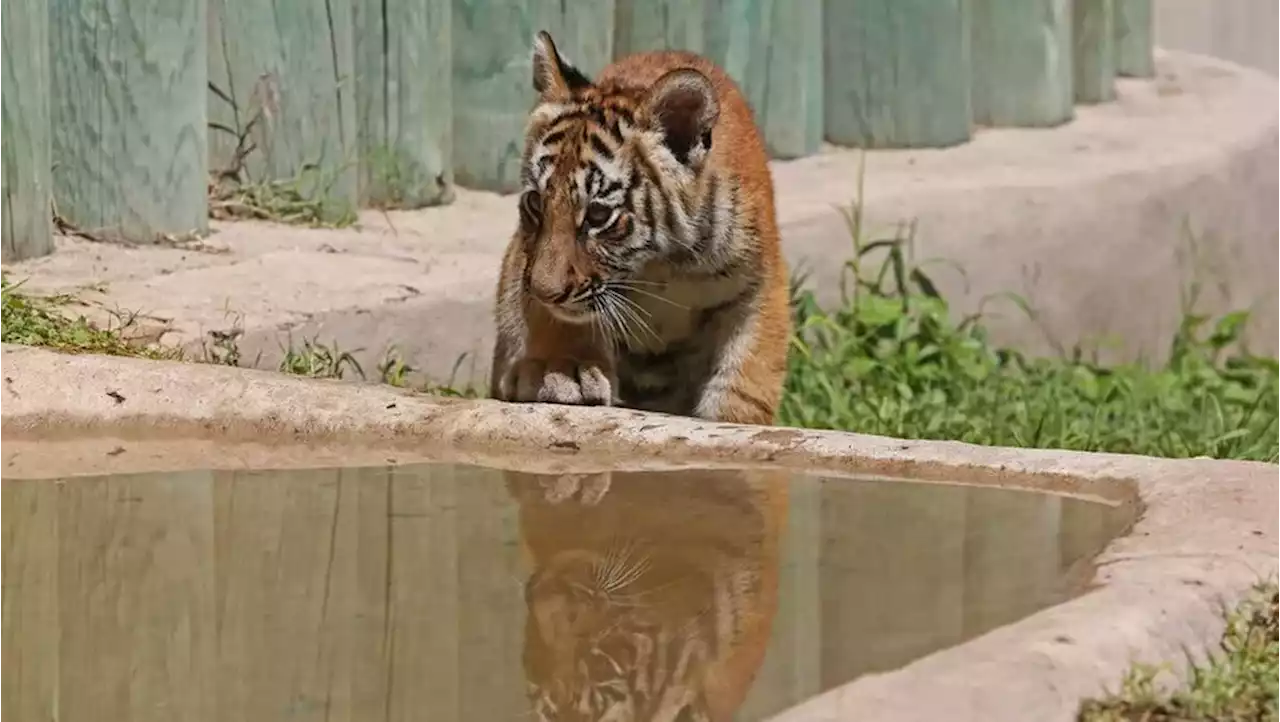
x=530 y=209
x=597 y=215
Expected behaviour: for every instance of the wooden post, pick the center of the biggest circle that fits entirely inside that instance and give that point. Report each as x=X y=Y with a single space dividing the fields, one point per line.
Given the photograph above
x=769 y=48
x=337 y=593
x=896 y=72
x=404 y=102
x=792 y=119
x=26 y=227
x=1021 y=62
x=1010 y=556
x=30 y=649
x=791 y=671
x=287 y=69
x=423 y=597
x=1133 y=33
x=493 y=91
x=490 y=622
x=658 y=25
x=871 y=531
x=1093 y=54
x=128 y=116
x=287 y=588
x=136 y=635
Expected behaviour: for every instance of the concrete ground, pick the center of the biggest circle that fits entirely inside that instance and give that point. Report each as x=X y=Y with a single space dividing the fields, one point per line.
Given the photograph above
x=1088 y=221
x=1207 y=532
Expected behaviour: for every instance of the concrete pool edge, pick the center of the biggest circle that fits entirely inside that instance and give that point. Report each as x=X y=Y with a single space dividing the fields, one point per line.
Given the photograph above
x=1209 y=530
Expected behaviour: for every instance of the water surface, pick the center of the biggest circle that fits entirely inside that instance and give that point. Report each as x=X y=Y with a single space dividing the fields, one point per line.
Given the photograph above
x=439 y=592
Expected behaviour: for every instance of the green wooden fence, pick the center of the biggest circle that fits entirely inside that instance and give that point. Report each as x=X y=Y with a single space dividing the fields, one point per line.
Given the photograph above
x=118 y=112
x=128 y=122
x=25 y=220
x=1021 y=69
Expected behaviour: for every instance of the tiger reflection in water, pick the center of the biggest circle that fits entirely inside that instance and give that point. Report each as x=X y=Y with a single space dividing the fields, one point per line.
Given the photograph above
x=651 y=597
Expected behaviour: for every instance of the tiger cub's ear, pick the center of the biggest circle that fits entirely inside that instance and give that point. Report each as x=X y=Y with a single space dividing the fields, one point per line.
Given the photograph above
x=682 y=104
x=553 y=77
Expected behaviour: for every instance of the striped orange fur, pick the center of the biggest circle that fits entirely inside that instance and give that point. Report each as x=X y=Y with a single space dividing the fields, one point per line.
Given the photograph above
x=639 y=610
x=645 y=270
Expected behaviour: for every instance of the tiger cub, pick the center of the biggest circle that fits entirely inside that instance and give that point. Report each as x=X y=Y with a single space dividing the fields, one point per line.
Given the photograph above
x=636 y=613
x=646 y=270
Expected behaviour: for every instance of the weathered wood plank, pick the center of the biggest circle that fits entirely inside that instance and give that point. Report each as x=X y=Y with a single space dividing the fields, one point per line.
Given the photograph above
x=288 y=69
x=1093 y=50
x=275 y=541
x=352 y=661
x=220 y=145
x=257 y=595
x=30 y=656
x=423 y=603
x=896 y=72
x=658 y=25
x=492 y=91
x=768 y=47
x=338 y=594
x=791 y=671
x=491 y=606
x=737 y=39
x=26 y=228
x=583 y=32
x=871 y=531
x=136 y=627
x=404 y=101
x=1022 y=62
x=793 y=101
x=1011 y=556
x=1134 y=28
x=128 y=116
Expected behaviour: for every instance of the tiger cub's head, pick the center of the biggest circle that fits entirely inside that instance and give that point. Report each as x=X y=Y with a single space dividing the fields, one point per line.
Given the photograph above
x=597 y=648
x=608 y=180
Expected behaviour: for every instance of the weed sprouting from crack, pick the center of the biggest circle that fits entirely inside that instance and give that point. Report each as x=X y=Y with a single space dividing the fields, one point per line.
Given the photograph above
x=235 y=195
x=1235 y=684
x=318 y=360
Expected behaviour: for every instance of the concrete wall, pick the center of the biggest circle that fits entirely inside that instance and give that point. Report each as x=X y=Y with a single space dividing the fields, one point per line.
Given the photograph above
x=1242 y=31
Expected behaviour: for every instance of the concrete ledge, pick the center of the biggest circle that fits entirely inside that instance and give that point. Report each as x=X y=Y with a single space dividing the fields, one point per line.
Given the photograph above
x=1242 y=31
x=1088 y=220
x=1208 y=530
x=1100 y=223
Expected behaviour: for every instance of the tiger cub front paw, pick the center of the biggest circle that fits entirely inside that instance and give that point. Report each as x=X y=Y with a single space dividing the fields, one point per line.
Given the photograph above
x=559 y=382
x=588 y=488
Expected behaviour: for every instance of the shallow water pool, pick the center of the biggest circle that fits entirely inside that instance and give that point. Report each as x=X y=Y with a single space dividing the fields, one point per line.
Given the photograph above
x=453 y=592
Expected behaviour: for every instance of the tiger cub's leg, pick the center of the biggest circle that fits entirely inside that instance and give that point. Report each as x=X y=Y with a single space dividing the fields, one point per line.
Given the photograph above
x=745 y=385
x=537 y=357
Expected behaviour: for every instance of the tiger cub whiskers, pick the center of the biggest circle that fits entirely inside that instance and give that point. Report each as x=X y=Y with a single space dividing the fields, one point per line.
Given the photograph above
x=646 y=269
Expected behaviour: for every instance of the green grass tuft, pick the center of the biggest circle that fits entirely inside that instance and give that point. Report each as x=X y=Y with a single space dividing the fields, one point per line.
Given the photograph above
x=318 y=360
x=306 y=199
x=1238 y=685
x=890 y=360
x=41 y=321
